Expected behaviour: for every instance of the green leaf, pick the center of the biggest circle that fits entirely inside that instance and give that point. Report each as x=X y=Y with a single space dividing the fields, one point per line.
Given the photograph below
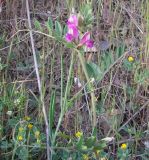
x=58 y=29
x=22 y=153
x=94 y=132
x=13 y=122
x=100 y=145
x=93 y=70
x=90 y=141
x=50 y=25
x=108 y=60
x=86 y=12
x=37 y=25
x=5 y=145
x=127 y=65
x=63 y=135
x=52 y=109
x=79 y=143
x=69 y=45
x=65 y=30
x=120 y=51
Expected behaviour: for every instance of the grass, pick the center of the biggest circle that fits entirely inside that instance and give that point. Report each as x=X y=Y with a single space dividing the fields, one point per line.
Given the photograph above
x=60 y=102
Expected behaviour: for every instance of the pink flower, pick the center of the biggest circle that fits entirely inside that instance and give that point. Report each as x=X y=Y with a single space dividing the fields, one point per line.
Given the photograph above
x=89 y=43
x=72 y=33
x=85 y=40
x=72 y=20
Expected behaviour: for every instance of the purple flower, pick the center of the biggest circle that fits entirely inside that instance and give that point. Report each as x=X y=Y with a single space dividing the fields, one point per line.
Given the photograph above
x=89 y=43
x=85 y=40
x=69 y=37
x=73 y=20
x=72 y=33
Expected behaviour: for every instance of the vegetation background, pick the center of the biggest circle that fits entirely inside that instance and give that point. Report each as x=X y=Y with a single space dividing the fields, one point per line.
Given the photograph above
x=60 y=102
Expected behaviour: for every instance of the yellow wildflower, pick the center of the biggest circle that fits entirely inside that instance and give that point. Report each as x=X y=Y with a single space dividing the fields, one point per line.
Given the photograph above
x=27 y=118
x=85 y=157
x=37 y=133
x=124 y=146
x=78 y=134
x=20 y=138
x=130 y=59
x=21 y=129
x=30 y=126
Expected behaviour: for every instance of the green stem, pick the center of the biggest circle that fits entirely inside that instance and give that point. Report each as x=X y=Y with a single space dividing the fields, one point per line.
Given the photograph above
x=93 y=108
x=64 y=105
x=14 y=151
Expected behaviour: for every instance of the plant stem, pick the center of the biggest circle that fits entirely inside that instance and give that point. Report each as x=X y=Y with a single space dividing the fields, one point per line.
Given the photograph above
x=14 y=151
x=93 y=108
x=64 y=104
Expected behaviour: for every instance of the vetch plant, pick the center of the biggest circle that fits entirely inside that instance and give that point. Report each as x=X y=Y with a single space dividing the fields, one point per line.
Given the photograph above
x=73 y=36
x=73 y=33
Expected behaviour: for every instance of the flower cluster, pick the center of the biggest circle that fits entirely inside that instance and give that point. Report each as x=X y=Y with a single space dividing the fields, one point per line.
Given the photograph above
x=73 y=33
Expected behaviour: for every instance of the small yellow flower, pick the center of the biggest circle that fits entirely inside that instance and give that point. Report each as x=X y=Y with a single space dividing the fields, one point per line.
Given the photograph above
x=124 y=146
x=78 y=134
x=20 y=138
x=85 y=157
x=27 y=118
x=30 y=126
x=21 y=129
x=130 y=59
x=37 y=133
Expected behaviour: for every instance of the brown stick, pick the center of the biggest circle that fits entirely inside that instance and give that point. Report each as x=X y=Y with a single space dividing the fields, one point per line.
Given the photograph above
x=39 y=82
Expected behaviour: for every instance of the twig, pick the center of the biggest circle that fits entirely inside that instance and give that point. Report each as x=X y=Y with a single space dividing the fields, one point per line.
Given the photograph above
x=39 y=82
x=133 y=20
